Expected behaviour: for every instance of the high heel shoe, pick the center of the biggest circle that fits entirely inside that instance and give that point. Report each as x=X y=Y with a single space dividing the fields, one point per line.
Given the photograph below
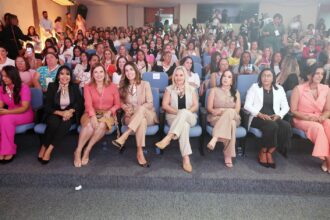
x=84 y=162
x=9 y=161
x=210 y=146
x=229 y=162
x=144 y=165
x=76 y=162
x=264 y=164
x=324 y=167
x=117 y=144
x=187 y=167
x=120 y=142
x=163 y=143
x=273 y=164
x=44 y=162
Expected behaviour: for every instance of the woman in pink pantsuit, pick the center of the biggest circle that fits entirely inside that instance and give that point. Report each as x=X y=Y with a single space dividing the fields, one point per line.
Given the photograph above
x=310 y=105
x=17 y=97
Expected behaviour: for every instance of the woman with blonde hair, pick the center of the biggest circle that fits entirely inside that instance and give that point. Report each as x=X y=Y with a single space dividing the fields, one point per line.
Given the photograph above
x=101 y=103
x=180 y=104
x=108 y=61
x=289 y=76
x=137 y=103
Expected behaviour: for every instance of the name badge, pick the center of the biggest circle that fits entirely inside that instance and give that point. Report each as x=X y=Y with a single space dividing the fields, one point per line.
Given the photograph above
x=156 y=76
x=48 y=80
x=277 y=33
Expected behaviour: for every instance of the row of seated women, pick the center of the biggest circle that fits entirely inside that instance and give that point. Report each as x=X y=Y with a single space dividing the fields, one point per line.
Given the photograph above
x=266 y=102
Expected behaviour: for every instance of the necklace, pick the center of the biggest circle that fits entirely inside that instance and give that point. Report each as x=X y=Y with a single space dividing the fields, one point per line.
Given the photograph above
x=180 y=91
x=132 y=89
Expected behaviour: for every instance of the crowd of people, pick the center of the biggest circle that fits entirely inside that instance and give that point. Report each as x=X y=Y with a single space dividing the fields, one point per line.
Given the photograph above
x=88 y=74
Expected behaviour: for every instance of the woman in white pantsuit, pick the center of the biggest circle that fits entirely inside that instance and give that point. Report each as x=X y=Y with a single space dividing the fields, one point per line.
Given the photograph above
x=180 y=103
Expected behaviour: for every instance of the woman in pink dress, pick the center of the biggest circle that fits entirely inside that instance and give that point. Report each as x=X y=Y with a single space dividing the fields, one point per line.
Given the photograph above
x=17 y=97
x=310 y=105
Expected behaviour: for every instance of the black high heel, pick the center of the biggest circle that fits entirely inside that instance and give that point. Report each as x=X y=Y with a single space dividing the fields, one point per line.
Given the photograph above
x=263 y=163
x=44 y=162
x=118 y=145
x=8 y=161
x=271 y=165
x=145 y=165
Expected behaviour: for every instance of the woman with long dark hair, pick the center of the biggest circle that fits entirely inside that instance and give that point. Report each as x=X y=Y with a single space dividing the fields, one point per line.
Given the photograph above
x=120 y=63
x=137 y=103
x=223 y=105
x=63 y=108
x=15 y=109
x=310 y=106
x=245 y=65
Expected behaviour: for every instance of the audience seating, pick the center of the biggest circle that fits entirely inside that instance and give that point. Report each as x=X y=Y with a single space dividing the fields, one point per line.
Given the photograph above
x=36 y=103
x=157 y=80
x=198 y=69
x=196 y=59
x=207 y=128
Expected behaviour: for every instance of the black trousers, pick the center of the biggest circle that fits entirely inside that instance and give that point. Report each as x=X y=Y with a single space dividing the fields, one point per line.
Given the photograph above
x=56 y=130
x=274 y=133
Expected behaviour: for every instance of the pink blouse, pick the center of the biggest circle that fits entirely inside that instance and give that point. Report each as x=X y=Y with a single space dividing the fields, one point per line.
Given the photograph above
x=108 y=100
x=27 y=76
x=25 y=96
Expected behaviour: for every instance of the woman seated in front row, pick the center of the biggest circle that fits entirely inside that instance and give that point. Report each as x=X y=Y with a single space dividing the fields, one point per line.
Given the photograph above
x=223 y=105
x=310 y=105
x=267 y=104
x=180 y=103
x=17 y=97
x=101 y=103
x=64 y=104
x=137 y=103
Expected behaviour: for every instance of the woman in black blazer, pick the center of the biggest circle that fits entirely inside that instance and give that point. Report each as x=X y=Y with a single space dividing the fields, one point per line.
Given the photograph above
x=63 y=107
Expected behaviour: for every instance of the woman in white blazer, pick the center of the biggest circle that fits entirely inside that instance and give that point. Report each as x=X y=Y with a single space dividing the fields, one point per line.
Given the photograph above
x=267 y=104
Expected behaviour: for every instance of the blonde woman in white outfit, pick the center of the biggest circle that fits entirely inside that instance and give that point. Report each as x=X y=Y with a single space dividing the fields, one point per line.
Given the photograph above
x=180 y=103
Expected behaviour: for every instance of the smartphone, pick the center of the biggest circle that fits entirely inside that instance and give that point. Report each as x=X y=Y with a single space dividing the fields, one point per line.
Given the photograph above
x=29 y=50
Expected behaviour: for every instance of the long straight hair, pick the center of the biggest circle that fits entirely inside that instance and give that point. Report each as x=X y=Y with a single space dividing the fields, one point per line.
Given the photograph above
x=233 y=89
x=13 y=74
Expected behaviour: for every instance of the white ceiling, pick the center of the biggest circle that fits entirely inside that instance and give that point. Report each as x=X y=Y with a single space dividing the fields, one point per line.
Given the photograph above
x=161 y=3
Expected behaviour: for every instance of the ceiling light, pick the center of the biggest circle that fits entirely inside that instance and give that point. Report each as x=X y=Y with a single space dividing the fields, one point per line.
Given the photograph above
x=65 y=2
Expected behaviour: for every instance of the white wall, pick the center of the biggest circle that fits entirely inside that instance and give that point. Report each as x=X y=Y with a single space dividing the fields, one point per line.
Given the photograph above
x=187 y=13
x=24 y=12
x=106 y=15
x=135 y=16
x=19 y=8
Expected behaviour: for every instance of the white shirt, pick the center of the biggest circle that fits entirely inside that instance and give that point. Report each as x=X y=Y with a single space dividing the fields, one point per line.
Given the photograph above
x=116 y=78
x=46 y=24
x=194 y=78
x=9 y=62
x=173 y=59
